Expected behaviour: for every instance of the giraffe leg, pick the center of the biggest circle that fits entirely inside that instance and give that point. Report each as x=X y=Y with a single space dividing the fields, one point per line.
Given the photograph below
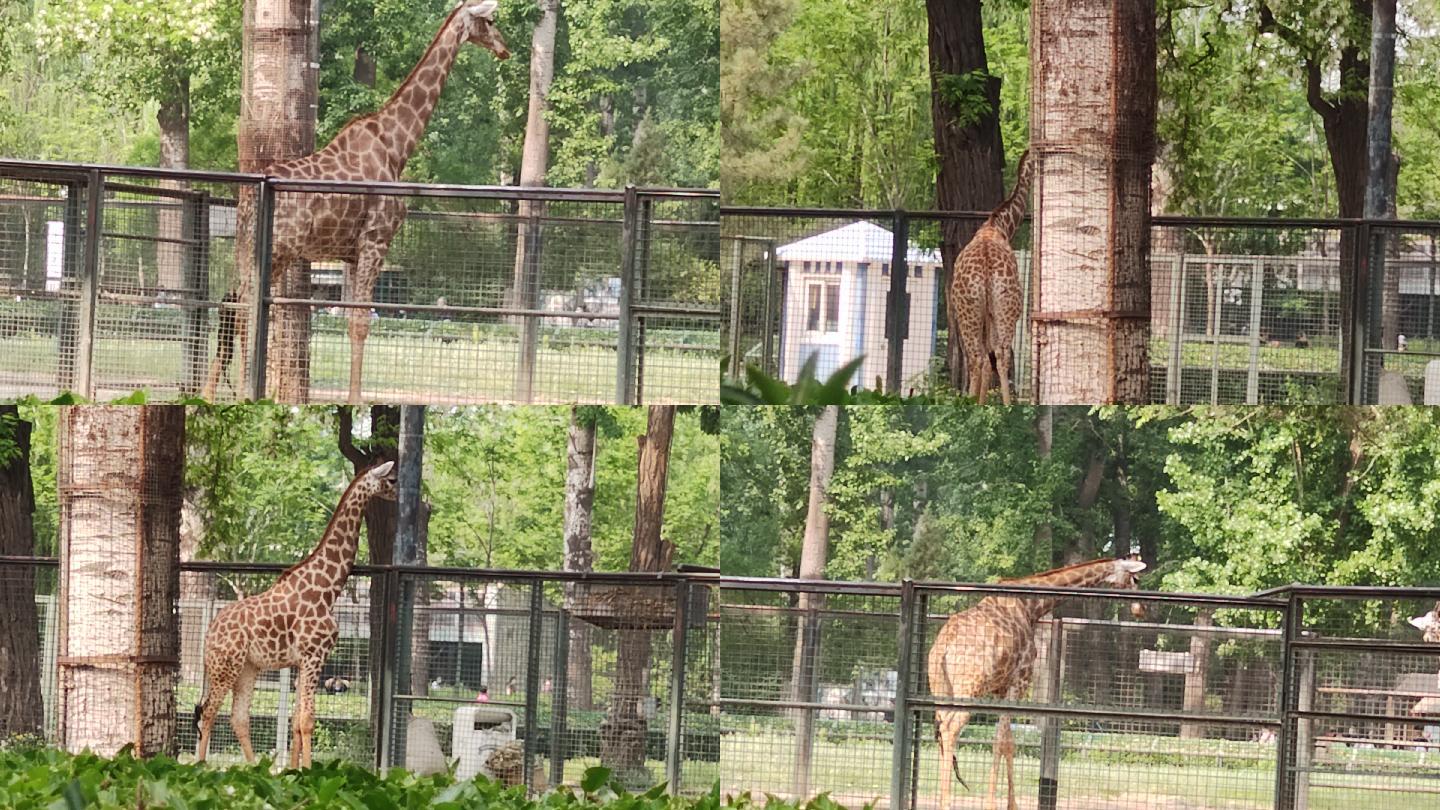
x=979 y=367
x=240 y=711
x=300 y=757
x=221 y=679
x=1005 y=739
x=948 y=725
x=1006 y=306
x=367 y=273
x=1002 y=734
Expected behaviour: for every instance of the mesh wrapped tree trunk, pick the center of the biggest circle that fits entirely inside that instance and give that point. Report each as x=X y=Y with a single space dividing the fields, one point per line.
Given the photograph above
x=120 y=492
x=1092 y=126
x=277 y=122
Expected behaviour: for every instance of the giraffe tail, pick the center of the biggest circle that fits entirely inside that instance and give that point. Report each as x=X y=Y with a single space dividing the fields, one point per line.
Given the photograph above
x=954 y=761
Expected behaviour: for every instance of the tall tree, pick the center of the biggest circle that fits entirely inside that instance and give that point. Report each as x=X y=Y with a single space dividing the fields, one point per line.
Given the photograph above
x=21 y=706
x=1380 y=177
x=579 y=556
x=623 y=732
x=965 y=113
x=813 y=553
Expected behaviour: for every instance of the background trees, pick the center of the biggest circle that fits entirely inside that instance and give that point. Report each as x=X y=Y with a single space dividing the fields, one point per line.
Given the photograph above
x=634 y=98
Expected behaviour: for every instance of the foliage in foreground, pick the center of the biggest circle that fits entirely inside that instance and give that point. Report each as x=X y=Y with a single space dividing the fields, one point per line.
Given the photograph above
x=46 y=778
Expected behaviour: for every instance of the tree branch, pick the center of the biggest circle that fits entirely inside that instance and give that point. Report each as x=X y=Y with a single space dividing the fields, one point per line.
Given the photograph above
x=345 y=423
x=1313 y=93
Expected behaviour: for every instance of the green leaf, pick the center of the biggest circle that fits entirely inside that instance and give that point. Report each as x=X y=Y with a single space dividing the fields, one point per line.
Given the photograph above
x=594 y=779
x=137 y=397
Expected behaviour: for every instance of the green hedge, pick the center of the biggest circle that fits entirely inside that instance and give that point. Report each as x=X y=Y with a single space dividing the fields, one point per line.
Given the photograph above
x=42 y=778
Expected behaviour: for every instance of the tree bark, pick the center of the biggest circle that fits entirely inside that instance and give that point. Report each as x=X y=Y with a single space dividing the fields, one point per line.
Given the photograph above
x=971 y=157
x=121 y=473
x=623 y=732
x=364 y=72
x=1198 y=674
x=1380 y=181
x=21 y=706
x=174 y=120
x=579 y=509
x=534 y=161
x=277 y=122
x=1044 y=442
x=814 y=550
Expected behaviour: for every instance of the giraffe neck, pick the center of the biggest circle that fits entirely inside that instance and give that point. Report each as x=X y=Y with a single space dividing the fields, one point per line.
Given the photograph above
x=1007 y=217
x=1093 y=574
x=407 y=113
x=327 y=567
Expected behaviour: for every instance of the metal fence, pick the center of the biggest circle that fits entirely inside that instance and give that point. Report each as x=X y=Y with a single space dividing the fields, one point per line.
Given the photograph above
x=576 y=669
x=1296 y=698
x=1242 y=310
x=118 y=279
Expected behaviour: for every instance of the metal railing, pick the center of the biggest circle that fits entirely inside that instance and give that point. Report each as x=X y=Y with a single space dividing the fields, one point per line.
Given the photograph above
x=120 y=278
x=1292 y=698
x=1242 y=310
x=400 y=681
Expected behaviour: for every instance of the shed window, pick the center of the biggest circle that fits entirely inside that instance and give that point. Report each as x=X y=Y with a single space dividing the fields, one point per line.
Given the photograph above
x=823 y=307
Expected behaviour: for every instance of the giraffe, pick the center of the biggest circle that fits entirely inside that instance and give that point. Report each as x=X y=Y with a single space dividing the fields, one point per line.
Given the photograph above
x=288 y=625
x=985 y=290
x=1429 y=624
x=989 y=651
x=357 y=229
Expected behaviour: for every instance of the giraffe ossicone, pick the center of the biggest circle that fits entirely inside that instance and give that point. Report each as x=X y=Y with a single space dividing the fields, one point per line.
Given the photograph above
x=289 y=625
x=355 y=229
x=989 y=650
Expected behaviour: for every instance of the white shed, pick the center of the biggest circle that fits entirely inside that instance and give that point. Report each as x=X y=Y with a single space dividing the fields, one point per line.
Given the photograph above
x=836 y=285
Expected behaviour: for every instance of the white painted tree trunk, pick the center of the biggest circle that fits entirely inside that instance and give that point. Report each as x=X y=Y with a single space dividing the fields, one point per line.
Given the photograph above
x=120 y=493
x=1093 y=130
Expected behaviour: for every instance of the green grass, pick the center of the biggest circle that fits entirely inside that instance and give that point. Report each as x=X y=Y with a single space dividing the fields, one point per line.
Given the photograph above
x=1096 y=770
x=477 y=367
x=1196 y=353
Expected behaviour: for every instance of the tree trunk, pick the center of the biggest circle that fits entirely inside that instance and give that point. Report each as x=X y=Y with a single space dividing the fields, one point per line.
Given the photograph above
x=814 y=550
x=121 y=471
x=579 y=509
x=381 y=516
x=1380 y=182
x=174 y=120
x=623 y=732
x=971 y=155
x=534 y=160
x=1045 y=551
x=1095 y=142
x=364 y=72
x=21 y=705
x=420 y=632
x=277 y=122
x=1197 y=674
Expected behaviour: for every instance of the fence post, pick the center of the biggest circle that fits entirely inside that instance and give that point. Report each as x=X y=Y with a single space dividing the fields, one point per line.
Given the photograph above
x=89 y=286
x=769 y=362
x=1257 y=291
x=642 y=280
x=1359 y=314
x=900 y=764
x=625 y=338
x=259 y=308
x=67 y=342
x=282 y=717
x=1050 y=726
x=736 y=365
x=385 y=733
x=527 y=298
x=1284 y=794
x=532 y=681
x=195 y=260
x=560 y=698
x=675 y=739
x=1175 y=373
x=897 y=304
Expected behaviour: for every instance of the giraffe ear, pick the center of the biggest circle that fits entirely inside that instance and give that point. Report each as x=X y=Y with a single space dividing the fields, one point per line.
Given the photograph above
x=1132 y=566
x=1424 y=622
x=383 y=470
x=485 y=10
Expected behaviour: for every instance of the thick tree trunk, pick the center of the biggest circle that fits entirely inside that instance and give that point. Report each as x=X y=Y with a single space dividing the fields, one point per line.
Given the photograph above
x=277 y=122
x=579 y=509
x=1198 y=674
x=1095 y=143
x=534 y=161
x=21 y=705
x=174 y=120
x=1044 y=442
x=971 y=155
x=121 y=469
x=623 y=732
x=1380 y=181
x=814 y=550
x=420 y=633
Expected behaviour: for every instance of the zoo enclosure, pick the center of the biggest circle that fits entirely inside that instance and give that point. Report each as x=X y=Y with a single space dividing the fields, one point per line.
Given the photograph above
x=1242 y=310
x=113 y=279
x=417 y=644
x=1293 y=698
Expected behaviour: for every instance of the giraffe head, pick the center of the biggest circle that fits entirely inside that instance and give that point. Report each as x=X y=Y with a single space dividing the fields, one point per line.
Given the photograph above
x=1125 y=575
x=480 y=28
x=379 y=481
x=1429 y=624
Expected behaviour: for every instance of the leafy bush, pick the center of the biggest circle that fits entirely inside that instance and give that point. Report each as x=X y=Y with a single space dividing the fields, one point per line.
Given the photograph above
x=42 y=778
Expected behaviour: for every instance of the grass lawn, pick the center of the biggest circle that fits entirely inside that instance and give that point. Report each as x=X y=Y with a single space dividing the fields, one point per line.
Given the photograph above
x=1117 y=771
x=412 y=366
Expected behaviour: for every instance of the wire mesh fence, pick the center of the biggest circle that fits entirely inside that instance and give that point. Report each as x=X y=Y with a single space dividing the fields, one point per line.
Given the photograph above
x=402 y=292
x=1240 y=311
x=1109 y=699
x=526 y=677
